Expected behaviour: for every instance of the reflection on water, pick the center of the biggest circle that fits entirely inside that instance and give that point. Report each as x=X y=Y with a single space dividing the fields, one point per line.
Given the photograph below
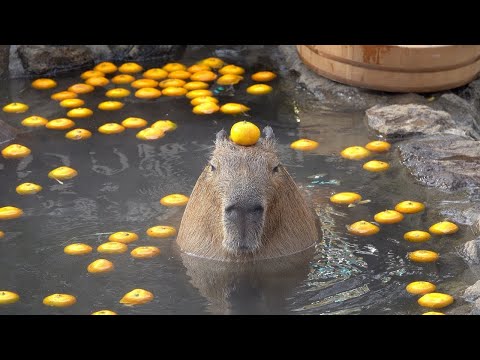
x=120 y=183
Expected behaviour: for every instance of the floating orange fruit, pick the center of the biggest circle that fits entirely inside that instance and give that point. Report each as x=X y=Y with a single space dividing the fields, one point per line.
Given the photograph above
x=2 y=234
x=229 y=79
x=60 y=124
x=155 y=74
x=100 y=266
x=81 y=88
x=78 y=134
x=117 y=93
x=92 y=73
x=145 y=252
x=63 y=95
x=206 y=108
x=77 y=249
x=137 y=297
x=231 y=69
x=233 y=108
x=8 y=297
x=122 y=79
x=435 y=300
x=28 y=189
x=409 y=207
x=15 y=108
x=376 y=166
x=111 y=128
x=112 y=247
x=203 y=99
x=164 y=125
x=44 y=84
x=161 y=231
x=34 y=121
x=125 y=237
x=72 y=103
x=174 y=91
x=345 y=198
x=443 y=228
x=355 y=153
x=134 y=123
x=263 y=76
x=62 y=173
x=378 y=146
x=212 y=62
x=104 y=312
x=388 y=217
x=198 y=67
x=10 y=212
x=433 y=313
x=423 y=256
x=111 y=105
x=106 y=67
x=196 y=85
x=304 y=145
x=170 y=67
x=80 y=113
x=197 y=93
x=130 y=68
x=171 y=83
x=144 y=83
x=150 y=134
x=148 y=93
x=417 y=236
x=363 y=228
x=60 y=300
x=179 y=74
x=15 y=151
x=244 y=133
x=203 y=75
x=97 y=81
x=259 y=89
x=174 y=200
x=420 y=287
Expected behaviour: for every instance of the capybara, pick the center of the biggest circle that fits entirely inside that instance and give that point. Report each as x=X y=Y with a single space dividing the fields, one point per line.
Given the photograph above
x=245 y=206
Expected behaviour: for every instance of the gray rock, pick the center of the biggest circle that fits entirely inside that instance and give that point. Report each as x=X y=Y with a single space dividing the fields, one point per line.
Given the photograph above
x=476 y=308
x=463 y=113
x=15 y=67
x=7 y=132
x=101 y=52
x=164 y=53
x=4 y=60
x=447 y=162
x=401 y=121
x=472 y=293
x=50 y=59
x=471 y=252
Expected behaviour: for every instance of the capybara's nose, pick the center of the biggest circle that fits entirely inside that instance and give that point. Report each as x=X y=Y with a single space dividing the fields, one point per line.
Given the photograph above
x=235 y=210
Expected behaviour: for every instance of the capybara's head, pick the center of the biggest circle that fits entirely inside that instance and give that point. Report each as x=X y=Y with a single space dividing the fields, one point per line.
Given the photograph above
x=245 y=205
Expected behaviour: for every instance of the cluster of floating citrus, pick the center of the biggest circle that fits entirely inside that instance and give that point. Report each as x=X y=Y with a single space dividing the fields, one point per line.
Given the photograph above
x=198 y=84
x=430 y=299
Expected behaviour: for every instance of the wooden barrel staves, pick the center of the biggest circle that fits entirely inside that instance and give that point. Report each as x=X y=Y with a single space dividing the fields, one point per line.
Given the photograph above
x=395 y=68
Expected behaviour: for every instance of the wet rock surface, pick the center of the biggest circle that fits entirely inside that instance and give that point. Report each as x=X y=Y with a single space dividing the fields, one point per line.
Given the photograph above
x=48 y=59
x=447 y=162
x=163 y=53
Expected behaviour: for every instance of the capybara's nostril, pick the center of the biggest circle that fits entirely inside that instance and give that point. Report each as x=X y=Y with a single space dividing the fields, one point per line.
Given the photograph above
x=258 y=209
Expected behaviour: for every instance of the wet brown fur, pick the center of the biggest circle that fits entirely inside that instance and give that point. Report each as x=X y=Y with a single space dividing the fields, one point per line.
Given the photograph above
x=289 y=223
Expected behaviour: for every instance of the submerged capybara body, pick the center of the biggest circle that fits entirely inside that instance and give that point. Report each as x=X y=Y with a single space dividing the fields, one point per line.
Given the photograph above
x=245 y=206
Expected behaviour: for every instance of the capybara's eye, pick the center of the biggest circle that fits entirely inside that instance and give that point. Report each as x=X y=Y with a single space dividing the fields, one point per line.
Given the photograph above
x=276 y=169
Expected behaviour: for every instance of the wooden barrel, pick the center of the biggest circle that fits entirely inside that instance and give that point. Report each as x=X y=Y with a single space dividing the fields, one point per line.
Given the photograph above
x=395 y=68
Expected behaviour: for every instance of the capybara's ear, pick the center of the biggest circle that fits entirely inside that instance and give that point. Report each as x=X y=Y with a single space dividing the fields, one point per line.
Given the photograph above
x=268 y=133
x=221 y=136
